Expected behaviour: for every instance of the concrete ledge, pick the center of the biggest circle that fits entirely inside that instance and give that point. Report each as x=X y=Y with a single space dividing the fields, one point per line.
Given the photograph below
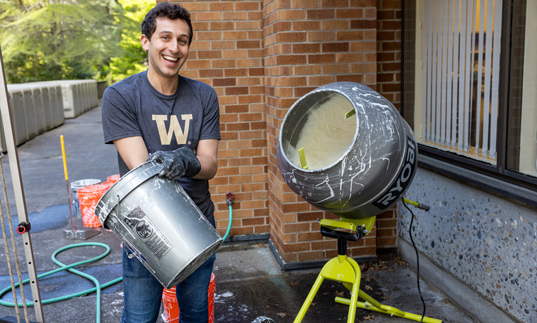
x=79 y=96
x=460 y=293
x=248 y=238
x=37 y=107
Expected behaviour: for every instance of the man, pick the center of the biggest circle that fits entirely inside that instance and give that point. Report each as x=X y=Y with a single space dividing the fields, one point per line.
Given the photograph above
x=161 y=116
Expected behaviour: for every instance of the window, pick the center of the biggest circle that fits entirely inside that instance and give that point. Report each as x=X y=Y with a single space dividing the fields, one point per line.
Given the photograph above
x=470 y=84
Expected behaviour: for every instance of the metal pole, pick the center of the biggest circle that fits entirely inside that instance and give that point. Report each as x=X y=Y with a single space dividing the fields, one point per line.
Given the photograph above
x=14 y=168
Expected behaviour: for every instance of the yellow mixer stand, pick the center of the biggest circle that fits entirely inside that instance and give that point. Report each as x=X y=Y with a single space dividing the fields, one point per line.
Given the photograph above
x=346 y=270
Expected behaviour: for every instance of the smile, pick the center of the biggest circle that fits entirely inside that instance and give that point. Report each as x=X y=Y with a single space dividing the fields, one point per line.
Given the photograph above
x=170 y=58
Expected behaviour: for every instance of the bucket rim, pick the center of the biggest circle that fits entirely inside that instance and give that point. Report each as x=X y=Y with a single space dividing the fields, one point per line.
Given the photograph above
x=94 y=187
x=84 y=182
x=192 y=265
x=124 y=185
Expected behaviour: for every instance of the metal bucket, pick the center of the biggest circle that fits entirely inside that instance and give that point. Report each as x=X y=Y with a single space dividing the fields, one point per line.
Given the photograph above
x=373 y=163
x=156 y=219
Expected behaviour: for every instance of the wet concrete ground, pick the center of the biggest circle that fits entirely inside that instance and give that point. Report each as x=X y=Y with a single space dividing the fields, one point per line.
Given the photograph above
x=250 y=285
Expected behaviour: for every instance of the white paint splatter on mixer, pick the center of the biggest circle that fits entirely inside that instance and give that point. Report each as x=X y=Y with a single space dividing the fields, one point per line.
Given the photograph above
x=355 y=177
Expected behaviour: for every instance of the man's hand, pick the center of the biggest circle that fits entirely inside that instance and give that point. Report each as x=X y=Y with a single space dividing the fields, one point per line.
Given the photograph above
x=176 y=163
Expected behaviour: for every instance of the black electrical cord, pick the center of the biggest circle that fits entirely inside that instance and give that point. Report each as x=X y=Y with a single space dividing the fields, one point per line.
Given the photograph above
x=417 y=256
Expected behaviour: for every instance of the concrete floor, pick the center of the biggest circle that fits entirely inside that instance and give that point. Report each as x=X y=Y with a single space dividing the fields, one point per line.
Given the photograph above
x=250 y=285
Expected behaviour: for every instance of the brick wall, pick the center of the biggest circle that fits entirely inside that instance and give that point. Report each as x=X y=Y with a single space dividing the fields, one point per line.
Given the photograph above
x=227 y=53
x=389 y=22
x=308 y=44
x=261 y=56
x=389 y=19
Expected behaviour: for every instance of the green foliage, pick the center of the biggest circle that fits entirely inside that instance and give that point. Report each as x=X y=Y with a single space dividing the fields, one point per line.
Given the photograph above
x=133 y=58
x=63 y=39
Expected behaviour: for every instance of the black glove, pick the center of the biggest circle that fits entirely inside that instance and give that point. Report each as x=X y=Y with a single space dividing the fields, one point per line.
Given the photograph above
x=176 y=163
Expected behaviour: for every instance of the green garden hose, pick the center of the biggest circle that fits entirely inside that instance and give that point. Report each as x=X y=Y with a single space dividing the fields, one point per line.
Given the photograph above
x=229 y=224
x=229 y=201
x=97 y=287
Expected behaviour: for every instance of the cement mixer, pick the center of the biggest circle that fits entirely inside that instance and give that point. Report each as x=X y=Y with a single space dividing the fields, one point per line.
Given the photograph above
x=345 y=149
x=360 y=154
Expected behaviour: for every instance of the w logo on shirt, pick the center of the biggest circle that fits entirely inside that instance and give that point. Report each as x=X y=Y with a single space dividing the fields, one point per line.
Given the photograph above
x=175 y=128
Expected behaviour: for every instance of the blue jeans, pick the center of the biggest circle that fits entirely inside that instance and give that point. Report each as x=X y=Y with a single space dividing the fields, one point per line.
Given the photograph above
x=143 y=293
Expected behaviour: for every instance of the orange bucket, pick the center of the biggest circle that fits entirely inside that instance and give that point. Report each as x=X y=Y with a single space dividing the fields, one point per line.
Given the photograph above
x=171 y=309
x=112 y=178
x=87 y=198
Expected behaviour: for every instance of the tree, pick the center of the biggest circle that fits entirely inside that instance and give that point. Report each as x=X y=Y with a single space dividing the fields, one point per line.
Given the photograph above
x=65 y=39
x=133 y=58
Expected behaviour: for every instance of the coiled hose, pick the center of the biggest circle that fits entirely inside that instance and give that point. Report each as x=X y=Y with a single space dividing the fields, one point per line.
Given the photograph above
x=97 y=287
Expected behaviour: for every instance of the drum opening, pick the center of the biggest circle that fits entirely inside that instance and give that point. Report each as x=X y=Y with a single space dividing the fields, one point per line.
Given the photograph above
x=319 y=124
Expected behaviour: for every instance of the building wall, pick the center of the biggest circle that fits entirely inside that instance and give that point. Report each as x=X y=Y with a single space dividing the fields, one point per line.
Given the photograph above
x=261 y=56
x=389 y=44
x=308 y=44
x=227 y=53
x=480 y=247
x=486 y=242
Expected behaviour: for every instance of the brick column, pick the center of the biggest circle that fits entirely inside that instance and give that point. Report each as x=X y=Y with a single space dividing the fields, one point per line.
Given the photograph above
x=308 y=44
x=227 y=53
x=261 y=56
x=389 y=15
x=389 y=50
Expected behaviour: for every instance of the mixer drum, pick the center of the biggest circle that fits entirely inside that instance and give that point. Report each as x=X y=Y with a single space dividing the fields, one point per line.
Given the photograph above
x=357 y=166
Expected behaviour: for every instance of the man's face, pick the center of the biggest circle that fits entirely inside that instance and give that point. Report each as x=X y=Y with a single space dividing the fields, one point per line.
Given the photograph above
x=168 y=48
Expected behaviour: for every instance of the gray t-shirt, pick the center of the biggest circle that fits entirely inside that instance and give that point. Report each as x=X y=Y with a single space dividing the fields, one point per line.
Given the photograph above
x=133 y=107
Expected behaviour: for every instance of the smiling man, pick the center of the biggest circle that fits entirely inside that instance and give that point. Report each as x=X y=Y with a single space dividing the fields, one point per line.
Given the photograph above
x=161 y=116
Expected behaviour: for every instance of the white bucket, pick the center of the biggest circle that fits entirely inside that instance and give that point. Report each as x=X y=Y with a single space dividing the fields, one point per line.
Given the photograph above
x=156 y=219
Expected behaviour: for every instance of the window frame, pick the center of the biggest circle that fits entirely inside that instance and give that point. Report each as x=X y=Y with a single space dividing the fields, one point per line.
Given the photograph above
x=496 y=179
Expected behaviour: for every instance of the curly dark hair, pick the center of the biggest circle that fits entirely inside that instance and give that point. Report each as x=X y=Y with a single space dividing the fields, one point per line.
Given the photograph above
x=165 y=10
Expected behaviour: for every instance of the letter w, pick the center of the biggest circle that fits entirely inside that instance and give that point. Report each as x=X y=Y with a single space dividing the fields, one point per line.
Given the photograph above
x=175 y=128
